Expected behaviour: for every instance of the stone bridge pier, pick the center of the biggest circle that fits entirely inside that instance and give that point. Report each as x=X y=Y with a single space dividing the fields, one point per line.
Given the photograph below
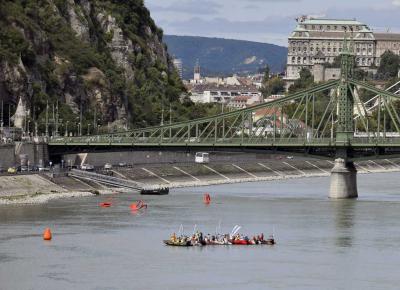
x=343 y=180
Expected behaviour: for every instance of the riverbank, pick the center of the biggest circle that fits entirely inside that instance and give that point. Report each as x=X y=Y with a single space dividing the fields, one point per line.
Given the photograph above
x=37 y=189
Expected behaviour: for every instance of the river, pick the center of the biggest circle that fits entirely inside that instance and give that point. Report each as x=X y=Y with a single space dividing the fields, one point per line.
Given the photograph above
x=321 y=244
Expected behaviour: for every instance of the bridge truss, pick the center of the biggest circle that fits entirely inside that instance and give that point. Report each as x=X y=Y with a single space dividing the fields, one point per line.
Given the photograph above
x=326 y=119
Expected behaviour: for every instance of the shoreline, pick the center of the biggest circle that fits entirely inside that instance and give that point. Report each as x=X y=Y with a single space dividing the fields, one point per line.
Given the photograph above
x=268 y=178
x=42 y=198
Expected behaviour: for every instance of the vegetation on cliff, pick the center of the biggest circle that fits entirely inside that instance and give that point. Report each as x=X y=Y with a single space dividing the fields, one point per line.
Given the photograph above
x=104 y=58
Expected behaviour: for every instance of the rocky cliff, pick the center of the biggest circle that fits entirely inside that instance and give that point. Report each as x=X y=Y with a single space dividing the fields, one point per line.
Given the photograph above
x=105 y=58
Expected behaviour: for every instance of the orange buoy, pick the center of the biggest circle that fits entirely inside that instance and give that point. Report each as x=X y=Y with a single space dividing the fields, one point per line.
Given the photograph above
x=47 y=234
x=207 y=198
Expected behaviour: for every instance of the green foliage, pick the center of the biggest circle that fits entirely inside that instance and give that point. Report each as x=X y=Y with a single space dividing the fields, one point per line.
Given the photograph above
x=13 y=45
x=389 y=65
x=40 y=34
x=337 y=62
x=305 y=81
x=273 y=86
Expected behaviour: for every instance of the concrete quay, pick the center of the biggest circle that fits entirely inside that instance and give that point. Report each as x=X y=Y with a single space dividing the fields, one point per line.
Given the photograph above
x=40 y=188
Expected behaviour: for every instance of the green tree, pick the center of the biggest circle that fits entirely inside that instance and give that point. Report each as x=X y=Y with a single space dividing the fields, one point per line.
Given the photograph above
x=305 y=81
x=264 y=83
x=273 y=86
x=389 y=66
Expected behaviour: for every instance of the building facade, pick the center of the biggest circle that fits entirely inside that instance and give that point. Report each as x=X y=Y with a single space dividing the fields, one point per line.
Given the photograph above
x=178 y=64
x=223 y=94
x=314 y=39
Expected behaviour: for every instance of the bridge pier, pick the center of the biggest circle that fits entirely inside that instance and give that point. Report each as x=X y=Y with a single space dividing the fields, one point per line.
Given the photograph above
x=343 y=180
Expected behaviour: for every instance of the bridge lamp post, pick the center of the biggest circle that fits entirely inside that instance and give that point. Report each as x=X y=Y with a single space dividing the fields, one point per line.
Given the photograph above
x=88 y=129
x=79 y=130
x=66 y=129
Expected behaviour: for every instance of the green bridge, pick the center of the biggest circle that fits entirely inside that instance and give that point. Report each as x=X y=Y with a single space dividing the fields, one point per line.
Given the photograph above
x=343 y=129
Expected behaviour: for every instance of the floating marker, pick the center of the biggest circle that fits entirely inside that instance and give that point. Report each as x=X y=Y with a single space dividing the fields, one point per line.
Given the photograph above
x=105 y=204
x=47 y=234
x=138 y=205
x=207 y=198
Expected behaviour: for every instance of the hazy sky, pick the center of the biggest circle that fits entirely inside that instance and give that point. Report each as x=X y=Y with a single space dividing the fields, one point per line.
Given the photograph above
x=265 y=20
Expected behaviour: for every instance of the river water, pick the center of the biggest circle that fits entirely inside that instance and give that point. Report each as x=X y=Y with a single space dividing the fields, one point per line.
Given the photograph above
x=322 y=244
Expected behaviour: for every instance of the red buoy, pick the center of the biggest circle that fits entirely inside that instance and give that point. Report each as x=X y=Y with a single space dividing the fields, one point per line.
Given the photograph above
x=207 y=198
x=105 y=204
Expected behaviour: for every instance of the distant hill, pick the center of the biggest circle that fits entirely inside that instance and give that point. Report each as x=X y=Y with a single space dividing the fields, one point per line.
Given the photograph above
x=218 y=56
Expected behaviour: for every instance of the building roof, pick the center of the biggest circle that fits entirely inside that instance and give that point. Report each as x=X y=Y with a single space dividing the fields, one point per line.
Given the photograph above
x=321 y=21
x=387 y=36
x=335 y=35
x=268 y=111
x=215 y=87
x=241 y=99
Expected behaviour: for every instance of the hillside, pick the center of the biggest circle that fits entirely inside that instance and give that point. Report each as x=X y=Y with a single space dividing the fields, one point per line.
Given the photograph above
x=219 y=56
x=103 y=57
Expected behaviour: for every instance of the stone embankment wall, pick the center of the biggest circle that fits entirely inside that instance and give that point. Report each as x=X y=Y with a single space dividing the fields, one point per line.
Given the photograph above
x=37 y=154
x=184 y=174
x=158 y=157
x=179 y=170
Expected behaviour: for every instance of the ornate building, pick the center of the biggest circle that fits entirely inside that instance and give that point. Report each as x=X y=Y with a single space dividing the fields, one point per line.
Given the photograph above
x=324 y=38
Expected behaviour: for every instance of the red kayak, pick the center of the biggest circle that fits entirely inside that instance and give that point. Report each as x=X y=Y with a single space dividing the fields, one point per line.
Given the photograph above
x=240 y=242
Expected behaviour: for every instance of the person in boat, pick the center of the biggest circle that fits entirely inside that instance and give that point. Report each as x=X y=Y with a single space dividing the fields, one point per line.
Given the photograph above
x=201 y=239
x=173 y=238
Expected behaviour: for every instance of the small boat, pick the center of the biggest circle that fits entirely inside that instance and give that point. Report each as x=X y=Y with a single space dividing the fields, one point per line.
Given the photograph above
x=105 y=204
x=155 y=191
x=268 y=242
x=178 y=244
x=240 y=242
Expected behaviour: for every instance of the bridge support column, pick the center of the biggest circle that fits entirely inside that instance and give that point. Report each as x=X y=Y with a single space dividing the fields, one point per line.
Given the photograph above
x=343 y=180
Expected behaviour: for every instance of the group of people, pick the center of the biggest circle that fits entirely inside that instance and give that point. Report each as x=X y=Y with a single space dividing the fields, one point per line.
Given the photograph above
x=199 y=239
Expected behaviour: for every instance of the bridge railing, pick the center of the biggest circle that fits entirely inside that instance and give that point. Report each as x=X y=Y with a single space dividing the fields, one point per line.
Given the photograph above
x=100 y=140
x=237 y=141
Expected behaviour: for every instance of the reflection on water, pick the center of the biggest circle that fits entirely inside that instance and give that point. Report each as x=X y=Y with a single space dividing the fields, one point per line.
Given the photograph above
x=344 y=215
x=322 y=244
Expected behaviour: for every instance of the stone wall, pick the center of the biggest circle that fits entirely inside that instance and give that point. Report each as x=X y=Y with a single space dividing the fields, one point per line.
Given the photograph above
x=157 y=157
x=37 y=154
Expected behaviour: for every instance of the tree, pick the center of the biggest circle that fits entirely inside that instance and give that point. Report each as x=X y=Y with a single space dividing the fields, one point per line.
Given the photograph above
x=264 y=83
x=273 y=86
x=305 y=81
x=389 y=66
